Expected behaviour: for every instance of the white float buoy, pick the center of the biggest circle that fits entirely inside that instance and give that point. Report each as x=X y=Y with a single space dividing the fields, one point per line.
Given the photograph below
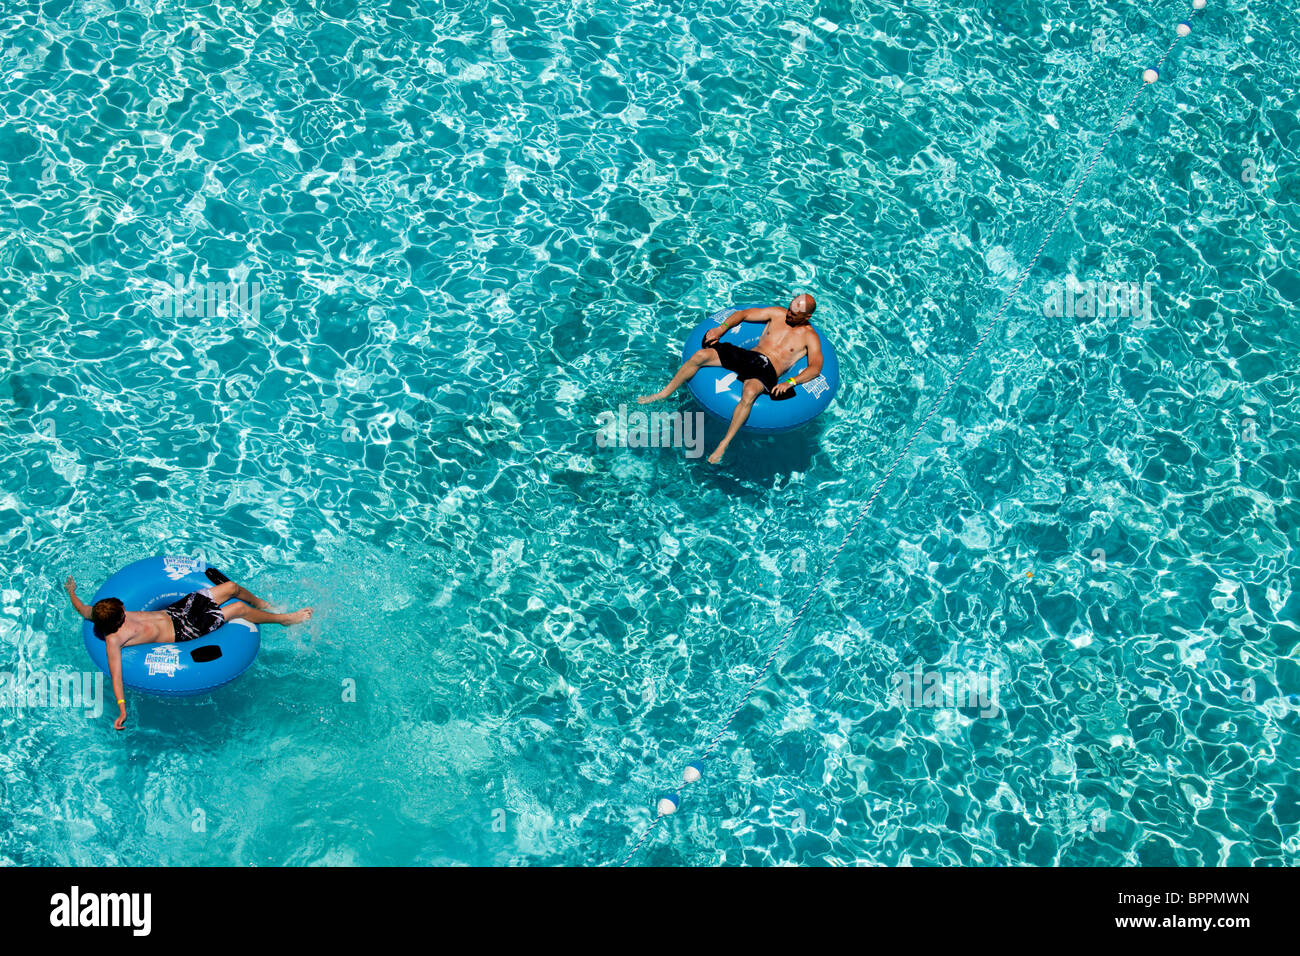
x=1150 y=76
x=694 y=770
x=1198 y=4
x=1184 y=29
x=667 y=804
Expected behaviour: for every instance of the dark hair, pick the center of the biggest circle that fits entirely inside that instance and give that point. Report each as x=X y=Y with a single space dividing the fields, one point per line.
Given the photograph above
x=108 y=615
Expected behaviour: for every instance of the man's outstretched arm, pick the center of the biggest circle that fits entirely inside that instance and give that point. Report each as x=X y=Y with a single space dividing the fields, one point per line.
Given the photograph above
x=82 y=607
x=114 y=651
x=761 y=314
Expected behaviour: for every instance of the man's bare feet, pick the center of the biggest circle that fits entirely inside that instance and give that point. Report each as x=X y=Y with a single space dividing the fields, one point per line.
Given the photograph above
x=297 y=617
x=647 y=399
x=716 y=457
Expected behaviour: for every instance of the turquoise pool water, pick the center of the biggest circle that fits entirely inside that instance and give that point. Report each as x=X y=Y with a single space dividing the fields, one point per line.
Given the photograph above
x=476 y=227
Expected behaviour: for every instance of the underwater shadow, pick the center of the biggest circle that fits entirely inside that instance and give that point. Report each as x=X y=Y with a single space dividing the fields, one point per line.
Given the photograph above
x=759 y=459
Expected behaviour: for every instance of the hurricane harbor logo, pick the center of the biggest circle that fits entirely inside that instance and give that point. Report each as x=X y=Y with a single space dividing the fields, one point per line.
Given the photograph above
x=177 y=568
x=75 y=690
x=191 y=300
x=163 y=659
x=817 y=386
x=946 y=690
x=638 y=429
x=77 y=909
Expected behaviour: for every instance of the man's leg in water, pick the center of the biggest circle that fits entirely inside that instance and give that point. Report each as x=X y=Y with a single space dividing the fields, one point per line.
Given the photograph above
x=753 y=389
x=693 y=364
x=240 y=609
x=229 y=589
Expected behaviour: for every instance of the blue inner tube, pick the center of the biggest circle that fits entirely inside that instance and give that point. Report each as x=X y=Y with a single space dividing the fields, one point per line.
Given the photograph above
x=719 y=391
x=172 y=670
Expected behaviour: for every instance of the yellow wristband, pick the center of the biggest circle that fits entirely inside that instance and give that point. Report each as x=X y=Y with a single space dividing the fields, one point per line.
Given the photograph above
x=121 y=700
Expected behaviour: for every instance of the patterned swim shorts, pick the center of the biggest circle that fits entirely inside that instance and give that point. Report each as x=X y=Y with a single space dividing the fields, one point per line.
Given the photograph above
x=194 y=616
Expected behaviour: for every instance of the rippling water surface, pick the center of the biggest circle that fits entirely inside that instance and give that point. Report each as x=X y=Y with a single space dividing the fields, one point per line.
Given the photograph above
x=477 y=226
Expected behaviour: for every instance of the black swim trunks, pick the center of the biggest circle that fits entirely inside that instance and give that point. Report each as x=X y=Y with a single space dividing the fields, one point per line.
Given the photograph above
x=747 y=364
x=194 y=616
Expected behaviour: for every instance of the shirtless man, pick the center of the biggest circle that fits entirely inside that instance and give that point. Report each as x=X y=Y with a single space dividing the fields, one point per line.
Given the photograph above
x=787 y=338
x=193 y=616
